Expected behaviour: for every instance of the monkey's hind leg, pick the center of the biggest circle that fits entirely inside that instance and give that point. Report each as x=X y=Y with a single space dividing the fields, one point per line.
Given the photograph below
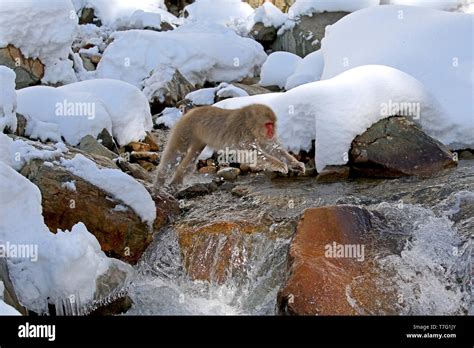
x=189 y=159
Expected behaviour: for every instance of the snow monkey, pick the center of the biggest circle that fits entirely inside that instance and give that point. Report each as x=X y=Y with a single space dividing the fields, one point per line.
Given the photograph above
x=251 y=128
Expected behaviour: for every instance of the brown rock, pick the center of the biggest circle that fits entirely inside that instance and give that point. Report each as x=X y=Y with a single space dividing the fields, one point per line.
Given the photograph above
x=149 y=167
x=395 y=147
x=28 y=71
x=208 y=170
x=323 y=284
x=152 y=141
x=333 y=174
x=147 y=156
x=135 y=170
x=138 y=146
x=253 y=89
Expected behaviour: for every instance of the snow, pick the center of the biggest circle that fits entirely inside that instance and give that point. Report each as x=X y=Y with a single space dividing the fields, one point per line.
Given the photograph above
x=69 y=185
x=269 y=15
x=54 y=113
x=225 y=12
x=43 y=30
x=115 y=182
x=436 y=4
x=17 y=153
x=307 y=7
x=200 y=51
x=278 y=67
x=67 y=263
x=111 y=11
x=169 y=117
x=7 y=99
x=307 y=70
x=207 y=96
x=335 y=111
x=85 y=108
x=128 y=108
x=403 y=37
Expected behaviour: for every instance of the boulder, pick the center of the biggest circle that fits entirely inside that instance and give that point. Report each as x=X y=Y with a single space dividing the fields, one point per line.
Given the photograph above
x=87 y=16
x=395 y=147
x=107 y=140
x=264 y=35
x=305 y=37
x=28 y=71
x=229 y=173
x=325 y=281
x=90 y=145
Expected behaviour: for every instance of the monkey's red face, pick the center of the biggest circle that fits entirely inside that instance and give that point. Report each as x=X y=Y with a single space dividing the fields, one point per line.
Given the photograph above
x=270 y=127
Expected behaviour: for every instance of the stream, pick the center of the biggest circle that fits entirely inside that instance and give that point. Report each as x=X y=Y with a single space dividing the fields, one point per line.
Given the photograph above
x=429 y=225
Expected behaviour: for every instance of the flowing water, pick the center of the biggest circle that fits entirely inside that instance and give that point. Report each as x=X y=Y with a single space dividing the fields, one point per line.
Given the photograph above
x=428 y=222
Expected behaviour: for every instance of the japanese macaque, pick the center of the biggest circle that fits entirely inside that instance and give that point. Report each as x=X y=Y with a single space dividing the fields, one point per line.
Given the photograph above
x=251 y=128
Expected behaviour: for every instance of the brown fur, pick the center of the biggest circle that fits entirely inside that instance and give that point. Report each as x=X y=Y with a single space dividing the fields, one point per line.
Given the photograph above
x=219 y=128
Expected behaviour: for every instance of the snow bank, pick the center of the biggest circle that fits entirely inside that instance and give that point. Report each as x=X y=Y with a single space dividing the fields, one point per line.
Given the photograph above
x=7 y=99
x=127 y=106
x=269 y=15
x=43 y=30
x=436 y=4
x=85 y=108
x=207 y=96
x=335 y=111
x=169 y=117
x=307 y=70
x=200 y=51
x=54 y=266
x=120 y=185
x=307 y=7
x=444 y=65
x=278 y=67
x=53 y=113
x=225 y=12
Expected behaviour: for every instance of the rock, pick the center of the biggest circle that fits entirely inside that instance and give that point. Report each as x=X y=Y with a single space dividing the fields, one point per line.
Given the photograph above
x=87 y=63
x=264 y=35
x=20 y=125
x=29 y=71
x=107 y=140
x=208 y=170
x=147 y=156
x=196 y=190
x=465 y=154
x=395 y=147
x=87 y=16
x=253 y=89
x=121 y=233
x=90 y=145
x=9 y=294
x=177 y=6
x=320 y=283
x=152 y=141
x=283 y=5
x=138 y=146
x=305 y=37
x=149 y=167
x=229 y=173
x=241 y=191
x=333 y=174
x=171 y=93
x=135 y=170
x=95 y=59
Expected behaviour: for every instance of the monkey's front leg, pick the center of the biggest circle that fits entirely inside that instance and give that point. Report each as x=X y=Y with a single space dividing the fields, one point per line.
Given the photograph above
x=293 y=162
x=266 y=161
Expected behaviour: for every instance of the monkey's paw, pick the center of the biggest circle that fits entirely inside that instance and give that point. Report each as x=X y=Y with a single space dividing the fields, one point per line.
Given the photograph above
x=280 y=167
x=298 y=166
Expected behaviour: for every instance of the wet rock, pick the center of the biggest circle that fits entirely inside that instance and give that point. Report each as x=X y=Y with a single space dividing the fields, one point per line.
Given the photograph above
x=29 y=71
x=241 y=190
x=395 y=147
x=196 y=190
x=90 y=145
x=329 y=272
x=229 y=173
x=333 y=174
x=305 y=37
x=208 y=170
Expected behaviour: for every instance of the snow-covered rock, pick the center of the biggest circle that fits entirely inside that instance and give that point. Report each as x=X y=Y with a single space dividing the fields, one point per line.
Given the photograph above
x=43 y=30
x=307 y=70
x=403 y=37
x=200 y=51
x=335 y=111
x=207 y=96
x=115 y=182
x=54 y=266
x=277 y=68
x=169 y=117
x=232 y=13
x=267 y=14
x=7 y=99
x=85 y=108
